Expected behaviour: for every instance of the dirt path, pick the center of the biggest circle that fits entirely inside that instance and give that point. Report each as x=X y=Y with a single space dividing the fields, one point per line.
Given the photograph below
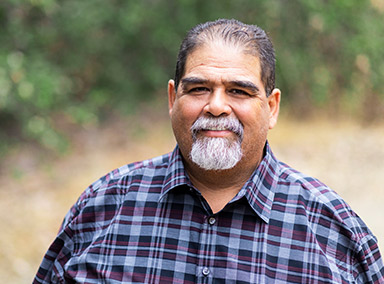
x=37 y=191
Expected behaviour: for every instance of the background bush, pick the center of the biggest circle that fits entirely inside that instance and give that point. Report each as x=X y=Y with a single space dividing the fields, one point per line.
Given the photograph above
x=83 y=59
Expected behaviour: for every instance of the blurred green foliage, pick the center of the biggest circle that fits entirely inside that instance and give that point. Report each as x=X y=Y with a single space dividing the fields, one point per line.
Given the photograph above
x=84 y=59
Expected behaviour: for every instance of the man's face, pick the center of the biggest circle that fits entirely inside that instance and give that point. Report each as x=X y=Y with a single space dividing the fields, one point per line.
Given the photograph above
x=222 y=81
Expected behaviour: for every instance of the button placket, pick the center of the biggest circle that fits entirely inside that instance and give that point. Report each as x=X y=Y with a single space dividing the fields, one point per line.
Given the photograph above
x=204 y=271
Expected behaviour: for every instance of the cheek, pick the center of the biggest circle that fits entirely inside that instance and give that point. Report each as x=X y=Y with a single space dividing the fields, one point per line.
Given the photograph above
x=187 y=110
x=184 y=114
x=256 y=123
x=250 y=116
x=182 y=118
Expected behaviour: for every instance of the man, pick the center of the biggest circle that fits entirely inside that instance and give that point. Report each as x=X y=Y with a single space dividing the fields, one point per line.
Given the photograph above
x=220 y=207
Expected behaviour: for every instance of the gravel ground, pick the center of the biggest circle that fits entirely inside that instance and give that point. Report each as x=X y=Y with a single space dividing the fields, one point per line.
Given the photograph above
x=37 y=190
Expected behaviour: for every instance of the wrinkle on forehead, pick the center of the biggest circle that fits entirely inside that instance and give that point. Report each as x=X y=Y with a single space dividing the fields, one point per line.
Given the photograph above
x=222 y=60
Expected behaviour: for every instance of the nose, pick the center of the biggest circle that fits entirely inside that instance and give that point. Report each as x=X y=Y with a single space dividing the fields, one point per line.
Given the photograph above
x=218 y=104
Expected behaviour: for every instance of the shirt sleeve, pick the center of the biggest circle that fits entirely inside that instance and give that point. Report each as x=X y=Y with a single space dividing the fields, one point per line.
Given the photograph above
x=50 y=270
x=60 y=251
x=369 y=266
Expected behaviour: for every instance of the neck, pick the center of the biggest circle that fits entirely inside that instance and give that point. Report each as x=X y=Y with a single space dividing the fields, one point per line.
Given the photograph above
x=218 y=187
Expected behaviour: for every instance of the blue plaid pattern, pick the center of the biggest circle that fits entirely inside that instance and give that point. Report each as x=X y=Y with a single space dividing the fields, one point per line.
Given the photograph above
x=146 y=223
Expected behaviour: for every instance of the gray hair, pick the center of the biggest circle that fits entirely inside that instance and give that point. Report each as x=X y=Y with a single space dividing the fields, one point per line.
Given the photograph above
x=252 y=38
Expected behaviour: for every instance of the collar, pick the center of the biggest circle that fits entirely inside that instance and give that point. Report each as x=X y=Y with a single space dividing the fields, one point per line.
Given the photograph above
x=175 y=174
x=259 y=190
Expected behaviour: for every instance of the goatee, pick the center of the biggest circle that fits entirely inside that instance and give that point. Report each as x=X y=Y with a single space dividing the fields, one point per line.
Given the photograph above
x=216 y=153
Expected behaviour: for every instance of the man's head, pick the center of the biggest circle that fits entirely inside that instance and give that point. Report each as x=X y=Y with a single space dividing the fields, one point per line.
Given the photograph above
x=250 y=38
x=223 y=103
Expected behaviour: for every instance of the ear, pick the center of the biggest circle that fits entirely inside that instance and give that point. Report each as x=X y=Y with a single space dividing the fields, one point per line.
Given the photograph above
x=171 y=95
x=274 y=107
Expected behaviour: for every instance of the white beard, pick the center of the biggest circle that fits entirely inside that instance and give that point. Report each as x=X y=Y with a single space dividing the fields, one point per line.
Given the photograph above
x=216 y=153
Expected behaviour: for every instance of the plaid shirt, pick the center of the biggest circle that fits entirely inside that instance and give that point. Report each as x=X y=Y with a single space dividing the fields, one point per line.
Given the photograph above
x=146 y=223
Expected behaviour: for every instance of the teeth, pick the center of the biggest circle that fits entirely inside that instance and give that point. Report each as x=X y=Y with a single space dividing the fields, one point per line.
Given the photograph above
x=216 y=128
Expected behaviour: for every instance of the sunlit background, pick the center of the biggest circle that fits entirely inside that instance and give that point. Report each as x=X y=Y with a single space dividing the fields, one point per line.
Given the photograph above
x=83 y=91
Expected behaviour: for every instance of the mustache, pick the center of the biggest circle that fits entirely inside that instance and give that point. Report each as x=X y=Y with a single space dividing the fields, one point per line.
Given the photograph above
x=220 y=123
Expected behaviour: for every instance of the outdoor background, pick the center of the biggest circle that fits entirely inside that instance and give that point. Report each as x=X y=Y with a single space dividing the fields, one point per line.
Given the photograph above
x=83 y=91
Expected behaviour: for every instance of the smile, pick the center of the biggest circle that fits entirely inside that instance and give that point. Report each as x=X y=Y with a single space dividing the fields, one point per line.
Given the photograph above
x=223 y=127
x=215 y=129
x=216 y=132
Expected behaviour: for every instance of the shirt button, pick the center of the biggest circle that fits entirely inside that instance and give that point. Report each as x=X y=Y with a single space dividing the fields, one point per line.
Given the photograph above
x=205 y=271
x=211 y=220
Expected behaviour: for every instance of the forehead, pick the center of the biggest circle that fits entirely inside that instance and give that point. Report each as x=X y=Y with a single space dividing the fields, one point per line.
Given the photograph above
x=217 y=60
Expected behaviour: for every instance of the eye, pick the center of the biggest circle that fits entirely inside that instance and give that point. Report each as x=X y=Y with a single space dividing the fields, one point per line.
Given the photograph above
x=198 y=90
x=239 y=92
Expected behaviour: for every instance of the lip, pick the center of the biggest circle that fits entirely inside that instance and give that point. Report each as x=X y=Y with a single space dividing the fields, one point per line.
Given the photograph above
x=216 y=133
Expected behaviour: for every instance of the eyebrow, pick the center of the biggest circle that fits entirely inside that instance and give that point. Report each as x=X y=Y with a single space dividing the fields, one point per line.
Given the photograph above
x=193 y=80
x=239 y=83
x=246 y=85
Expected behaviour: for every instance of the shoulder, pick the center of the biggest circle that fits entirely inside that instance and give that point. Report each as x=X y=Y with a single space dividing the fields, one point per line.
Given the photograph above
x=311 y=191
x=310 y=186
x=313 y=187
x=110 y=189
x=317 y=212
x=134 y=172
x=325 y=208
